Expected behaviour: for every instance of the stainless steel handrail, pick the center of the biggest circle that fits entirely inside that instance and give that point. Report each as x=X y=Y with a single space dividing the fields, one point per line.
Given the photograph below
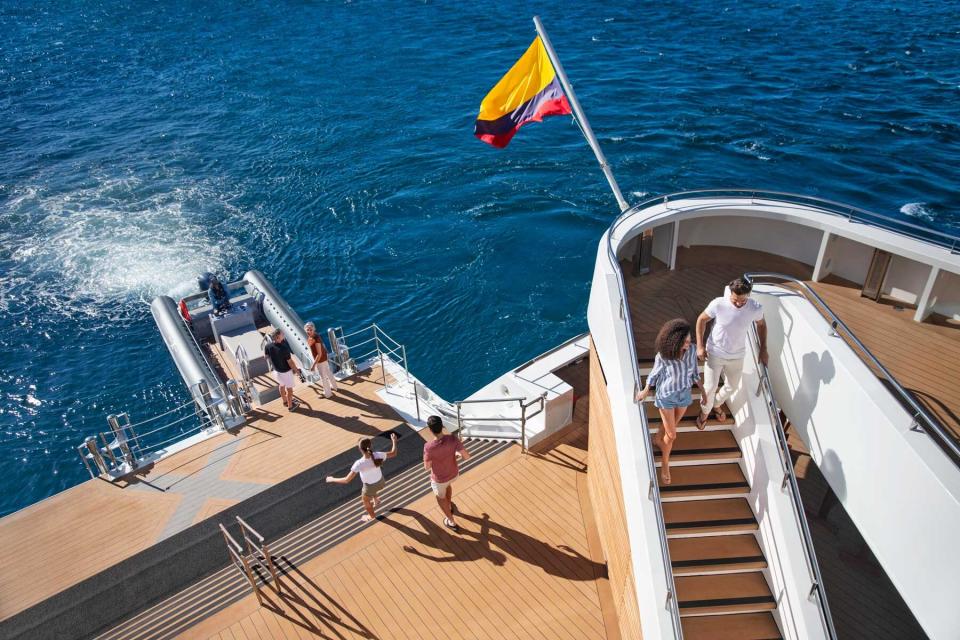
x=790 y=480
x=542 y=399
x=933 y=426
x=917 y=232
x=654 y=490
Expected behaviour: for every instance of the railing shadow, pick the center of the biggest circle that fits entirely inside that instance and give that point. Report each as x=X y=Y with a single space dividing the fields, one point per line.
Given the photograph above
x=310 y=607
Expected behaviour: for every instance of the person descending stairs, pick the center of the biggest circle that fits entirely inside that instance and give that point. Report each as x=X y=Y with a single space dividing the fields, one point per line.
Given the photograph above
x=717 y=561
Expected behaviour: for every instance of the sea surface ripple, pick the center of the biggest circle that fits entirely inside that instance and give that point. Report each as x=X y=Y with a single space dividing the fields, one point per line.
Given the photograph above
x=330 y=146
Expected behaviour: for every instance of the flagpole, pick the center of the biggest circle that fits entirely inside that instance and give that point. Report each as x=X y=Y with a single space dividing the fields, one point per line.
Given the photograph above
x=578 y=113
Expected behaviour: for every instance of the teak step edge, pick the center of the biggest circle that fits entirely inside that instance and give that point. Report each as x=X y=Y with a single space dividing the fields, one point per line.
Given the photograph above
x=724 y=515
x=741 y=626
x=715 y=554
x=704 y=480
x=724 y=594
x=703 y=445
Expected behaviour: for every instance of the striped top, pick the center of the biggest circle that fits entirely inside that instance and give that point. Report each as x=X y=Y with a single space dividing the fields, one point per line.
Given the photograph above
x=670 y=376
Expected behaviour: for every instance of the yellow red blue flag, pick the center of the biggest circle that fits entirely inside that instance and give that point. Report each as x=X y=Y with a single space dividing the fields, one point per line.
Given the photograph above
x=527 y=93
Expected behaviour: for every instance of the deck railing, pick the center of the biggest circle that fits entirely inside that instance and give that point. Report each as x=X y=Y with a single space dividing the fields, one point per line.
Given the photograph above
x=919 y=414
x=653 y=491
x=790 y=482
x=854 y=214
x=375 y=345
x=464 y=422
x=128 y=446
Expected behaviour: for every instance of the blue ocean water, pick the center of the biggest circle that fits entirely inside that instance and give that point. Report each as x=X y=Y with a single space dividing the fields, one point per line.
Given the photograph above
x=330 y=146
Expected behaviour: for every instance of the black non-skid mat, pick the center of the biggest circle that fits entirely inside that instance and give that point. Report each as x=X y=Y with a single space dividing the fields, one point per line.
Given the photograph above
x=175 y=614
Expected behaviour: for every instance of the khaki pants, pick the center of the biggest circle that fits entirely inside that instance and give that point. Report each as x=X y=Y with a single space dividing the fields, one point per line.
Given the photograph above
x=731 y=370
x=326 y=377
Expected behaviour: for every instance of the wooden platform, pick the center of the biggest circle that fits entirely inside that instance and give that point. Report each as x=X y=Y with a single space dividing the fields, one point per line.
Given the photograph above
x=75 y=534
x=524 y=565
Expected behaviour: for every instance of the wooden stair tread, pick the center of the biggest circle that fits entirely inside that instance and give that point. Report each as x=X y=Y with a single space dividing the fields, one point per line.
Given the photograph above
x=704 y=445
x=731 y=592
x=707 y=515
x=704 y=479
x=715 y=553
x=653 y=413
x=741 y=626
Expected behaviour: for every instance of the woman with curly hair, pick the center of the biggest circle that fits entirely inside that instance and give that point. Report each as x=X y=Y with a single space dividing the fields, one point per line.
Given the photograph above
x=674 y=373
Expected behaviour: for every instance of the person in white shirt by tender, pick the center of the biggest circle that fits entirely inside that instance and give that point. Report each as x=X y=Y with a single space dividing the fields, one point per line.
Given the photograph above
x=371 y=476
x=725 y=348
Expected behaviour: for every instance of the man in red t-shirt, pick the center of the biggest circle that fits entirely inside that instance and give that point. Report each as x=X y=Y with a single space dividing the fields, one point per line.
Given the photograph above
x=440 y=459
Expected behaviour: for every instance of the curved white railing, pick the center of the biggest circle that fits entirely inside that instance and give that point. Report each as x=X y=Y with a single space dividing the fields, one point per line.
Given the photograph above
x=654 y=489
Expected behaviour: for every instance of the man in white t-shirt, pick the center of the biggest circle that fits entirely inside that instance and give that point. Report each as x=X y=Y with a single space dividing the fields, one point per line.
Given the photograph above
x=724 y=350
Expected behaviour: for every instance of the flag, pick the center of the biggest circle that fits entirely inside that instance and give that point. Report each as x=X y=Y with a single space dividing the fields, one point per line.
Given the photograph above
x=527 y=93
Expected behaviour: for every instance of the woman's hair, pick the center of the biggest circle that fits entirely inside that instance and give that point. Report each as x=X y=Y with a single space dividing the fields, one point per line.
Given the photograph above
x=308 y=325
x=673 y=334
x=366 y=446
x=216 y=285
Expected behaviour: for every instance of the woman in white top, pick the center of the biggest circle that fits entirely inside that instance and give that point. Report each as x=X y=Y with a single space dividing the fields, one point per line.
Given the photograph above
x=370 y=474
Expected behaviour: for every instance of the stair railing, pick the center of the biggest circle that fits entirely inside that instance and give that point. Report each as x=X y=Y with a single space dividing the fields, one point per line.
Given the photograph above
x=789 y=482
x=524 y=416
x=921 y=417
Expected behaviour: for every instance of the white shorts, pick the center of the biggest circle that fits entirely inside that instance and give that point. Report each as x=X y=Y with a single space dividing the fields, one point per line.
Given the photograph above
x=284 y=379
x=440 y=488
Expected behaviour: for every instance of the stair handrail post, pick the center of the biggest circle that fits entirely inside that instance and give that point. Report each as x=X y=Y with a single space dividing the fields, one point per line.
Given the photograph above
x=459 y=423
x=90 y=442
x=209 y=405
x=383 y=368
x=523 y=427
x=121 y=438
x=416 y=399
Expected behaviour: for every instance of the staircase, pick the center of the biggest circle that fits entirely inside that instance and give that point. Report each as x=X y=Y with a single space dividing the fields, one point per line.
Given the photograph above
x=717 y=561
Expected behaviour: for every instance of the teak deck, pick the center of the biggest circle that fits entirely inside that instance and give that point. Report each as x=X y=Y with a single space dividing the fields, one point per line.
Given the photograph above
x=73 y=535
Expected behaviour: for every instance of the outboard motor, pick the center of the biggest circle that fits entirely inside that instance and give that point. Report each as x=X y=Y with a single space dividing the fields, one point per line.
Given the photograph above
x=204 y=280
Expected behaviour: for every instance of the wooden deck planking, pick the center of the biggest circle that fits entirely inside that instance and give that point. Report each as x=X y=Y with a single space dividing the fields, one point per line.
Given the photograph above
x=73 y=535
x=923 y=357
x=508 y=574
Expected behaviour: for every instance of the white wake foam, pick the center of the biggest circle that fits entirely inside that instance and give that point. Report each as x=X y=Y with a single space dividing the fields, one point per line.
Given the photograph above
x=919 y=210
x=109 y=246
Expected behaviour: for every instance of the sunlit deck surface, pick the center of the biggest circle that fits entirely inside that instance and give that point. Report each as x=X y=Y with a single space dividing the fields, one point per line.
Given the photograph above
x=75 y=534
x=922 y=356
x=526 y=563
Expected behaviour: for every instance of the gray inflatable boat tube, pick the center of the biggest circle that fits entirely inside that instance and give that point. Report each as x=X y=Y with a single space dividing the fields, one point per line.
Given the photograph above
x=280 y=314
x=184 y=351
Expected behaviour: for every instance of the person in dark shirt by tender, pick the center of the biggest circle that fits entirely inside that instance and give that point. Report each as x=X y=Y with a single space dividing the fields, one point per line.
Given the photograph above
x=219 y=298
x=284 y=366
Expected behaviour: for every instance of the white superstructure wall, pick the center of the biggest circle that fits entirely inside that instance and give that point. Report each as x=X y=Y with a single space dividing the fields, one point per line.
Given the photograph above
x=897 y=485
